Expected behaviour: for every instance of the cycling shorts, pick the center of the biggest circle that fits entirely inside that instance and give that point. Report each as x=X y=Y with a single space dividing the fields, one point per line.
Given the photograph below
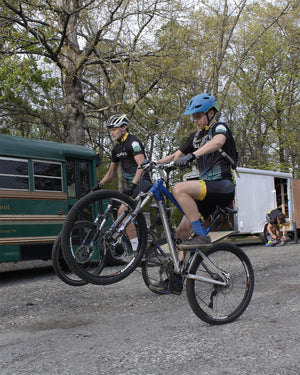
x=142 y=186
x=214 y=193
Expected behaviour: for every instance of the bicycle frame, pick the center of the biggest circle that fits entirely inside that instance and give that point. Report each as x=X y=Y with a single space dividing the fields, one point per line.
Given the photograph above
x=158 y=191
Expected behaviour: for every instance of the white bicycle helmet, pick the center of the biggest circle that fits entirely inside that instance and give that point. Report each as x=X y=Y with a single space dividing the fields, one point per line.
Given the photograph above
x=116 y=121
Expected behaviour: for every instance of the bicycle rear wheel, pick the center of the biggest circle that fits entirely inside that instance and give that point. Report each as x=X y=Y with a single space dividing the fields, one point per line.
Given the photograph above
x=61 y=269
x=80 y=250
x=216 y=304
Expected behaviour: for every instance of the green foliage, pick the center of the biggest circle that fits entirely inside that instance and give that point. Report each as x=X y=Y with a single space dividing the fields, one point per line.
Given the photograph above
x=67 y=70
x=266 y=93
x=29 y=99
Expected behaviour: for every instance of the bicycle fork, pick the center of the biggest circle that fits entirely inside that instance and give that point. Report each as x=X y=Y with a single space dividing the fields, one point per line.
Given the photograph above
x=87 y=244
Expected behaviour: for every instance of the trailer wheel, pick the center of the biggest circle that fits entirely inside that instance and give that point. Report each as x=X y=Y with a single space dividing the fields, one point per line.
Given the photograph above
x=266 y=234
x=262 y=238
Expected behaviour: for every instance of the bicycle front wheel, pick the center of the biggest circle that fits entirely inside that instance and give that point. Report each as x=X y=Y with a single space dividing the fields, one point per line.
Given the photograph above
x=217 y=304
x=108 y=212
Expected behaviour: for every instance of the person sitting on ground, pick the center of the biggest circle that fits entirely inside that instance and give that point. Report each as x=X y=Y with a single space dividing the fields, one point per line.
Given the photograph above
x=276 y=220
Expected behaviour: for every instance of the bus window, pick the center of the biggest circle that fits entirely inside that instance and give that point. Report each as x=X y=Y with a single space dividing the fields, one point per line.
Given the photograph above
x=47 y=176
x=14 y=174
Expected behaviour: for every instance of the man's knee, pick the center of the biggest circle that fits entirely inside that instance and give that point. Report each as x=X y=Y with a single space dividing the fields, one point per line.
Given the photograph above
x=178 y=189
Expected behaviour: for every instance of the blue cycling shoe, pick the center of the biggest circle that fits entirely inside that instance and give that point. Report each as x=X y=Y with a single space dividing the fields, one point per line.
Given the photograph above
x=271 y=243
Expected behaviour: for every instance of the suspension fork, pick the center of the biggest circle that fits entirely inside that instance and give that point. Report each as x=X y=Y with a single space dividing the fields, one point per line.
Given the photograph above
x=100 y=221
x=118 y=230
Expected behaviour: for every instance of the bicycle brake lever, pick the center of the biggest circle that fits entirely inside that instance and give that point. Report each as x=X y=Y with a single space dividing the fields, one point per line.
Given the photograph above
x=147 y=165
x=169 y=167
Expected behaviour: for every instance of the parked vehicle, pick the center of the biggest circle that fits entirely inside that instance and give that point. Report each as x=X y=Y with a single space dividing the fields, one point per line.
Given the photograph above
x=39 y=182
x=257 y=192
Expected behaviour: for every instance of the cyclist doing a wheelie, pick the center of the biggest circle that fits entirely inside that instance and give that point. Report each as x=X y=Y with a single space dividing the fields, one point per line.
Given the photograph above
x=213 y=147
x=130 y=152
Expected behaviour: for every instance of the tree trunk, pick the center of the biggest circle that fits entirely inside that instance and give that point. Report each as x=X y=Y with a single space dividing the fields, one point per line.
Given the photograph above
x=73 y=115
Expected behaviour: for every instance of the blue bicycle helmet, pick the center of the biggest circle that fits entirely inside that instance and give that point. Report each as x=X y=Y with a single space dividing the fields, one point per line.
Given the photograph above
x=201 y=103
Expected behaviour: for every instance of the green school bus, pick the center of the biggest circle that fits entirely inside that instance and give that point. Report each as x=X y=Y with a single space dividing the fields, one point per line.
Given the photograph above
x=39 y=182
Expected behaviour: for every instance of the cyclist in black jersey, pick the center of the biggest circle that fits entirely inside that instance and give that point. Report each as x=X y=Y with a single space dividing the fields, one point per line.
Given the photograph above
x=130 y=152
x=215 y=185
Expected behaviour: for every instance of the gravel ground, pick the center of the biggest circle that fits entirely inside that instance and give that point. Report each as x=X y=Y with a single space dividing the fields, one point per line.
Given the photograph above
x=48 y=327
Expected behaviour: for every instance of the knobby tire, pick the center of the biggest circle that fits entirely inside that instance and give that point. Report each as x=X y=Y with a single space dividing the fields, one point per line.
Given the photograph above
x=219 y=304
x=105 y=239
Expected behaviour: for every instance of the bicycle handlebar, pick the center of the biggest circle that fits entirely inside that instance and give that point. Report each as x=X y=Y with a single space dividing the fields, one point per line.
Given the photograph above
x=148 y=165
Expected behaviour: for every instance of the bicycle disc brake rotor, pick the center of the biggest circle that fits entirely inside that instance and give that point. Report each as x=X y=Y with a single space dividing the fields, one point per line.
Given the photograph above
x=116 y=248
x=83 y=254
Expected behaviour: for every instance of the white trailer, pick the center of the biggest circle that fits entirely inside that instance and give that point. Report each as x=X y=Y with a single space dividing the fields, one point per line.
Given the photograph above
x=257 y=192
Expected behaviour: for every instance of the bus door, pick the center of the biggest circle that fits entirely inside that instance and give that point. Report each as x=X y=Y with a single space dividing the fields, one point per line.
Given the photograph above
x=78 y=179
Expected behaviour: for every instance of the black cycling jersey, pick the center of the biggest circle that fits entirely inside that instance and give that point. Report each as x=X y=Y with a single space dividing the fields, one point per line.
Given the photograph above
x=125 y=151
x=213 y=166
x=272 y=216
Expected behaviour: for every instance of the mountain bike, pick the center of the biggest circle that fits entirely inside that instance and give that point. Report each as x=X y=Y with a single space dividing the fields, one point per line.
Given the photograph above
x=219 y=277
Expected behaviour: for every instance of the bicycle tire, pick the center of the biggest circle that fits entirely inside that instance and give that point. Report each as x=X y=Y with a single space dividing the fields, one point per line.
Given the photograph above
x=103 y=203
x=215 y=304
x=156 y=270
x=61 y=269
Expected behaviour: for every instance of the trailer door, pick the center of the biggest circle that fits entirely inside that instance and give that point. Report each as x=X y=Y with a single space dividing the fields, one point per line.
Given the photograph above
x=255 y=196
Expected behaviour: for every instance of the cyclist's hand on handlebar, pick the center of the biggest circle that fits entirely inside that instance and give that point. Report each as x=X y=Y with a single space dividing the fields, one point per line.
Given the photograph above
x=185 y=160
x=146 y=165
